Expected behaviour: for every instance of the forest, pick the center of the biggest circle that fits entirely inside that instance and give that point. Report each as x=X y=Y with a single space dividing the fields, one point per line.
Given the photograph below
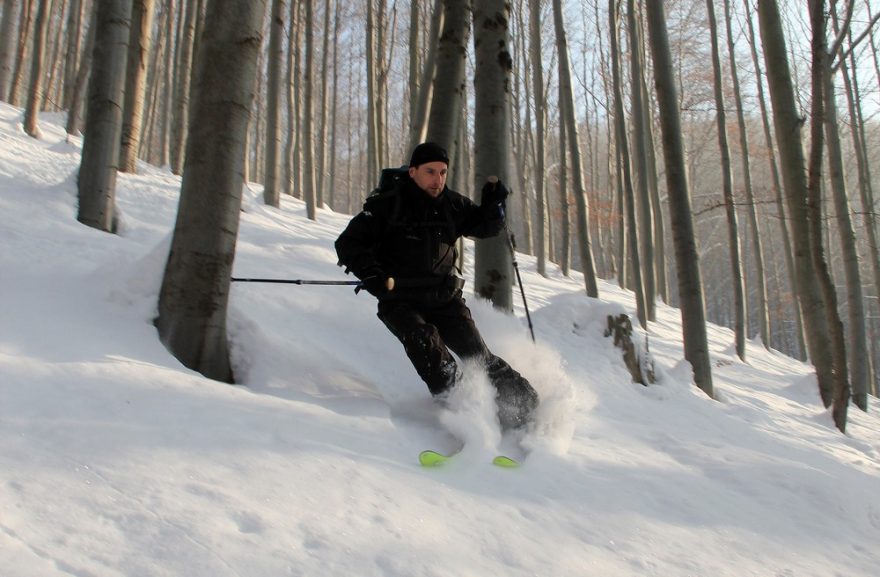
x=715 y=156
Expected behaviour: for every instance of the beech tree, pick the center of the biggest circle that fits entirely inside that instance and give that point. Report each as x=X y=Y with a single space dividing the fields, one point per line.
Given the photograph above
x=133 y=112
x=195 y=288
x=788 y=123
x=687 y=262
x=96 y=181
x=493 y=269
x=448 y=94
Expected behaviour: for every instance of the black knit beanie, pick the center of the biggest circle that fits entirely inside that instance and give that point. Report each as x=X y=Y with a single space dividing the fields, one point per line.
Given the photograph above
x=428 y=152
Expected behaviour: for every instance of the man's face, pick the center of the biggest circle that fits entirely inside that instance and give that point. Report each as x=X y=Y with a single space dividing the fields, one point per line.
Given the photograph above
x=430 y=176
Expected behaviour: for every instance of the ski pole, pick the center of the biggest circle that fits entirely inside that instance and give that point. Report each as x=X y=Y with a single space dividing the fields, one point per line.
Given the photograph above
x=389 y=284
x=511 y=243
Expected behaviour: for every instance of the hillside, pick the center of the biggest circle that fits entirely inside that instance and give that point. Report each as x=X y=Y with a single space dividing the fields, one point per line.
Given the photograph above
x=117 y=461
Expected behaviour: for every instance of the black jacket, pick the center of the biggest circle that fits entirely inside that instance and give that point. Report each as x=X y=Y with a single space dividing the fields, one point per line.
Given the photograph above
x=405 y=234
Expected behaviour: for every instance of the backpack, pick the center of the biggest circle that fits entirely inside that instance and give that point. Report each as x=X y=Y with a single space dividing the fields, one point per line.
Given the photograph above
x=389 y=179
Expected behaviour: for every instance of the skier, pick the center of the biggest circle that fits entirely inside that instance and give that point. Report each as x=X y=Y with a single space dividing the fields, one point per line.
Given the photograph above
x=408 y=234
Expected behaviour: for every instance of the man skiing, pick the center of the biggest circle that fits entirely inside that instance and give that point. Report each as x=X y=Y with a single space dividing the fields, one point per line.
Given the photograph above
x=402 y=248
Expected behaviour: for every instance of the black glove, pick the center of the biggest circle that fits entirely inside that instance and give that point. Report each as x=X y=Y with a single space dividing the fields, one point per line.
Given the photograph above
x=374 y=282
x=493 y=196
x=494 y=192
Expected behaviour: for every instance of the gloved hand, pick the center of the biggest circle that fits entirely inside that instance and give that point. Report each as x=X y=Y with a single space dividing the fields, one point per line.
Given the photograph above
x=494 y=192
x=374 y=282
x=493 y=196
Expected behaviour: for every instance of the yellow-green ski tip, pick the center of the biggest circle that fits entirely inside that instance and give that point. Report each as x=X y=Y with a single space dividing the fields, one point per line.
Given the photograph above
x=506 y=462
x=432 y=458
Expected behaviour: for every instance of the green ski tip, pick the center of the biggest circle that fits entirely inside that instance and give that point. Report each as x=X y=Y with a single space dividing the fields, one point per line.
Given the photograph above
x=506 y=462
x=432 y=458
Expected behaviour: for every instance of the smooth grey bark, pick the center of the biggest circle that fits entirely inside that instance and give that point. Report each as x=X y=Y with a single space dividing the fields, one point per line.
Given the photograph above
x=777 y=186
x=74 y=115
x=11 y=8
x=448 y=93
x=493 y=270
x=736 y=281
x=135 y=83
x=195 y=288
x=180 y=111
x=629 y=198
x=373 y=127
x=334 y=106
x=583 y=211
x=819 y=109
x=564 y=206
x=322 y=143
x=290 y=168
x=690 y=284
x=21 y=52
x=419 y=120
x=35 y=86
x=543 y=241
x=271 y=184
x=857 y=335
x=641 y=196
x=74 y=45
x=866 y=194
x=415 y=79
x=760 y=286
x=310 y=193
x=788 y=125
x=96 y=182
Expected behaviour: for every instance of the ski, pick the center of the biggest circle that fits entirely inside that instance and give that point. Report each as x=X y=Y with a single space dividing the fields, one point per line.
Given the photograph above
x=431 y=458
x=505 y=462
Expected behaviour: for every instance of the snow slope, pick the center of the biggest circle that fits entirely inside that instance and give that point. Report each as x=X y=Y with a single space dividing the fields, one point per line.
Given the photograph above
x=117 y=461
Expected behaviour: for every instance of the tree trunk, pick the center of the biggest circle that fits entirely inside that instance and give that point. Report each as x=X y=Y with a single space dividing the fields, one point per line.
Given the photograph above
x=564 y=206
x=414 y=84
x=331 y=187
x=133 y=113
x=445 y=117
x=788 y=124
x=819 y=59
x=35 y=88
x=74 y=45
x=419 y=121
x=7 y=46
x=690 y=284
x=321 y=161
x=866 y=194
x=82 y=76
x=567 y=93
x=629 y=199
x=777 y=186
x=493 y=272
x=100 y=150
x=760 y=276
x=540 y=114
x=310 y=194
x=271 y=185
x=180 y=112
x=858 y=344
x=373 y=162
x=195 y=289
x=21 y=54
x=736 y=280
x=641 y=197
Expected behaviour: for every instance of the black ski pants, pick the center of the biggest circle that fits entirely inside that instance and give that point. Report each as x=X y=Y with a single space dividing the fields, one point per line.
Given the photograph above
x=429 y=333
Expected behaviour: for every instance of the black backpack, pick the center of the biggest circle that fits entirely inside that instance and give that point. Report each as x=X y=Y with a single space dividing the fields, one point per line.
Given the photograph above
x=389 y=179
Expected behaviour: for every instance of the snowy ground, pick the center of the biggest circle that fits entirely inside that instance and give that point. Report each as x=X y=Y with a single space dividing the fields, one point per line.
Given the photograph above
x=117 y=461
